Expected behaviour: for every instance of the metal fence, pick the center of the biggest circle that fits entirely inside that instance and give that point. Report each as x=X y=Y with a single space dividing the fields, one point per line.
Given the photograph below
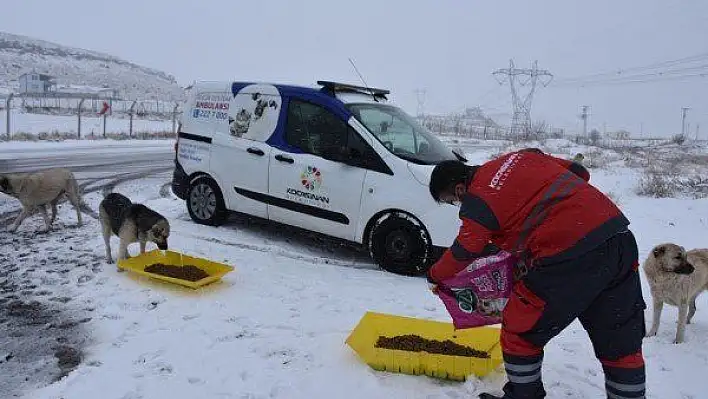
x=89 y=109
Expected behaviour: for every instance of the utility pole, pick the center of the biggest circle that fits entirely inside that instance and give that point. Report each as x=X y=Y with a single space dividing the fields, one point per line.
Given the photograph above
x=584 y=117
x=521 y=119
x=698 y=125
x=683 y=120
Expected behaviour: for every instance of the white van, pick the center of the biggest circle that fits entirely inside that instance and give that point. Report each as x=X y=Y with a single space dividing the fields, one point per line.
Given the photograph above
x=336 y=159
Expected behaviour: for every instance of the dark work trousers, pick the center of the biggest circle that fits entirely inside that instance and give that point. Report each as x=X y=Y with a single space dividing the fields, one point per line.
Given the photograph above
x=602 y=289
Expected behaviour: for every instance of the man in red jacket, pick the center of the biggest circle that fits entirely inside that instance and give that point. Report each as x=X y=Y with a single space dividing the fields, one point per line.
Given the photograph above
x=579 y=261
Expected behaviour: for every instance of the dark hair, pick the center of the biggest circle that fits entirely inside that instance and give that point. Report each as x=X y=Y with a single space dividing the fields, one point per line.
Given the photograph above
x=532 y=149
x=446 y=175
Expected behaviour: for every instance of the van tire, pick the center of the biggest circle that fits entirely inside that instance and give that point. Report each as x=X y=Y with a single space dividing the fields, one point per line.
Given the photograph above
x=205 y=202
x=400 y=244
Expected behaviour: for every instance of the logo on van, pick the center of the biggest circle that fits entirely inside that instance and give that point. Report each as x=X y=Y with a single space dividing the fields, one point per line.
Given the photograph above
x=310 y=194
x=311 y=178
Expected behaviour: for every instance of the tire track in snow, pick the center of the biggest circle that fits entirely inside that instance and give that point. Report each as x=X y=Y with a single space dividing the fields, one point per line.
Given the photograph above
x=275 y=250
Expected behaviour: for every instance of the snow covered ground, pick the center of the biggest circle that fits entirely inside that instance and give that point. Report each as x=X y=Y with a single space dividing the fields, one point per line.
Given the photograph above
x=276 y=326
x=40 y=123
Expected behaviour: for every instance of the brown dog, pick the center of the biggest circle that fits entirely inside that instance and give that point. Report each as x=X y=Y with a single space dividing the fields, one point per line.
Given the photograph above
x=37 y=190
x=676 y=277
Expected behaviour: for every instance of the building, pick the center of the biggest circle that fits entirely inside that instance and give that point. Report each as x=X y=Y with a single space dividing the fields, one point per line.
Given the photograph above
x=36 y=83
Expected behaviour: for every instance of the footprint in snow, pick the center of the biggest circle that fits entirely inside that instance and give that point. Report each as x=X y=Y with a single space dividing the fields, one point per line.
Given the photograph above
x=195 y=381
x=132 y=395
x=162 y=368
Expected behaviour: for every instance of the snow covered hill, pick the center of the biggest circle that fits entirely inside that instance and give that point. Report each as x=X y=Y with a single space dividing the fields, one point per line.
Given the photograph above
x=77 y=67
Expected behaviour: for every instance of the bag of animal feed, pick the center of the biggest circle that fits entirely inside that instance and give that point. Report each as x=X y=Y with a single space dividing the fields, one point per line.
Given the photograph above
x=477 y=295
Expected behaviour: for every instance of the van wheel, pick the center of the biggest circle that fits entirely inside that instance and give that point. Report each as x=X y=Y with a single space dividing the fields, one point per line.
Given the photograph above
x=205 y=202
x=399 y=244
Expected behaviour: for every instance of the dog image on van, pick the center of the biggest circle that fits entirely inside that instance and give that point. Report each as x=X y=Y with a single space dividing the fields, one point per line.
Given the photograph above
x=132 y=223
x=676 y=277
x=37 y=190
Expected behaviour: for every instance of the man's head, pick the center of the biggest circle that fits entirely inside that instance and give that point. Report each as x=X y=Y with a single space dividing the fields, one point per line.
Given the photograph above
x=448 y=182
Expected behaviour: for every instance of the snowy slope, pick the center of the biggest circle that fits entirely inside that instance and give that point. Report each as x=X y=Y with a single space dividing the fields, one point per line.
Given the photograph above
x=276 y=326
x=73 y=66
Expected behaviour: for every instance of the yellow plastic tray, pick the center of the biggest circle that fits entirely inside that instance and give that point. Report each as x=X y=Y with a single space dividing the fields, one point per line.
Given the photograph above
x=138 y=264
x=363 y=338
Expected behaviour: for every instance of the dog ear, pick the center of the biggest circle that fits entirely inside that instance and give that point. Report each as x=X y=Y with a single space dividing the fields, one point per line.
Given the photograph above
x=658 y=251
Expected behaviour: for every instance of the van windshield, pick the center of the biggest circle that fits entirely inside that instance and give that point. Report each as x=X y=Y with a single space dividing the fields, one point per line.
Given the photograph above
x=401 y=134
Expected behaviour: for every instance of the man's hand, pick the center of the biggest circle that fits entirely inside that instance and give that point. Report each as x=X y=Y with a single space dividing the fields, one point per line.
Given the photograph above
x=433 y=288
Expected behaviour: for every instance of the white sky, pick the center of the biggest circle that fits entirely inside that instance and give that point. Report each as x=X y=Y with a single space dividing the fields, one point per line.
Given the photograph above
x=448 y=47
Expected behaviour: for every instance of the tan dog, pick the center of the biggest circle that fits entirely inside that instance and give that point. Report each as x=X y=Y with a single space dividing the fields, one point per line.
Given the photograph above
x=132 y=223
x=676 y=277
x=36 y=190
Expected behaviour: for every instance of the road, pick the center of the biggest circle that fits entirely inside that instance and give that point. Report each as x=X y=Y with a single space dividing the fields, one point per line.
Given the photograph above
x=92 y=162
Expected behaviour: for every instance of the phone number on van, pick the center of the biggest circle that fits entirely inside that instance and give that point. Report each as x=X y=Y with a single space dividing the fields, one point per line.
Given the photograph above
x=202 y=113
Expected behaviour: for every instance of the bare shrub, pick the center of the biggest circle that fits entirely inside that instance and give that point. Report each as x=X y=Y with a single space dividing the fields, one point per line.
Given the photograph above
x=696 y=186
x=678 y=139
x=557 y=133
x=56 y=135
x=595 y=136
x=23 y=136
x=657 y=184
x=598 y=159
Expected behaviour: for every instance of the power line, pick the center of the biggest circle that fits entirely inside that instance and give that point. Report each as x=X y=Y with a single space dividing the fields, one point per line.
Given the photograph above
x=703 y=67
x=621 y=71
x=635 y=80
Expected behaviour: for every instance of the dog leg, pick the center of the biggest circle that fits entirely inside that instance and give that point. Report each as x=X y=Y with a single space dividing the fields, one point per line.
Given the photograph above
x=123 y=252
x=107 y=241
x=681 y=330
x=76 y=203
x=142 y=246
x=20 y=218
x=658 y=306
x=45 y=215
x=54 y=209
x=691 y=310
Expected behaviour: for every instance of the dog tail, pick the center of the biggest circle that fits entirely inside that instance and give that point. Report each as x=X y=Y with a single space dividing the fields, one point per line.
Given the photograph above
x=83 y=206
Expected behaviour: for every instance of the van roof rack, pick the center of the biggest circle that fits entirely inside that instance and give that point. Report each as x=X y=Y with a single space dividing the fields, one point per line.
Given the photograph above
x=334 y=87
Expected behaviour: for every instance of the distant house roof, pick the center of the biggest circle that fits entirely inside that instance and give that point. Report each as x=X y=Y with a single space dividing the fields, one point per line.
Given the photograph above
x=42 y=76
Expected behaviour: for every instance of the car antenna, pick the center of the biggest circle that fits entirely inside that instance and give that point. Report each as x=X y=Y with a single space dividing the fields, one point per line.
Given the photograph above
x=363 y=81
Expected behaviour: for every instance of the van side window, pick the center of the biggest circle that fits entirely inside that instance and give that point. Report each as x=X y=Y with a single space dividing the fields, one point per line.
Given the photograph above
x=310 y=127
